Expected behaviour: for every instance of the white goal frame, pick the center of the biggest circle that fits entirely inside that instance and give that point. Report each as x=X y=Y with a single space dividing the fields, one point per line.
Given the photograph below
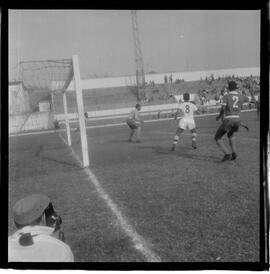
x=79 y=98
x=56 y=76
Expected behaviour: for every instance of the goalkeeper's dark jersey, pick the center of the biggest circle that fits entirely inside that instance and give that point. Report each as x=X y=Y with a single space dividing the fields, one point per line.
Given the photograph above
x=233 y=102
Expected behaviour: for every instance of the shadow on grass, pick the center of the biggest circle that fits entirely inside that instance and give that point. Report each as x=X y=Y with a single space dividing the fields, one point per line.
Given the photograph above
x=49 y=147
x=182 y=152
x=76 y=166
x=41 y=150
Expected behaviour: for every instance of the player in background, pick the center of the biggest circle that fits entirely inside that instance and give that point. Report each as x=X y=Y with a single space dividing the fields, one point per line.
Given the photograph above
x=221 y=115
x=231 y=107
x=135 y=123
x=186 y=122
x=223 y=92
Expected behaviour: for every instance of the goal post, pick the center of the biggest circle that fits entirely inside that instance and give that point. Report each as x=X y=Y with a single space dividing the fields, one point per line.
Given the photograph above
x=79 y=97
x=66 y=118
x=53 y=77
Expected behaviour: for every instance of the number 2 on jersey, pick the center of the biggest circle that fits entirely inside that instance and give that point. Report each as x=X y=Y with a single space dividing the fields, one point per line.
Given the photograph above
x=235 y=101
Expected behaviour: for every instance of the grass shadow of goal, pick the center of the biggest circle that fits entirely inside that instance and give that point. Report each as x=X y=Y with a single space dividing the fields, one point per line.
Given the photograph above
x=43 y=151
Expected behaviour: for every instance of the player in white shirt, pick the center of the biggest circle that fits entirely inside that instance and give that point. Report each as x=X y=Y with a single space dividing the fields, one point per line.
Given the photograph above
x=186 y=122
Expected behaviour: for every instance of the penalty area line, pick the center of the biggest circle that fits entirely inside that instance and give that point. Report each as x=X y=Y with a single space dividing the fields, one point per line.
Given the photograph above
x=138 y=241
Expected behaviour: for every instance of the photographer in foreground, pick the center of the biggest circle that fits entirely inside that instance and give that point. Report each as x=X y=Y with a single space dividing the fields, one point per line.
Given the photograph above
x=39 y=237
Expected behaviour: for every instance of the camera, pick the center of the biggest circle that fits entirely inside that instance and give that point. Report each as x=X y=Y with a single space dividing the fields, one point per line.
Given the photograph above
x=54 y=220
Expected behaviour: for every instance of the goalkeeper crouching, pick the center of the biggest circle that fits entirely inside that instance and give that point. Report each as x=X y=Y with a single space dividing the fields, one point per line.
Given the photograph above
x=135 y=123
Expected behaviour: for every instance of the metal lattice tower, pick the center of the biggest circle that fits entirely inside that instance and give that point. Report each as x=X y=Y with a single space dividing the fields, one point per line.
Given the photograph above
x=140 y=77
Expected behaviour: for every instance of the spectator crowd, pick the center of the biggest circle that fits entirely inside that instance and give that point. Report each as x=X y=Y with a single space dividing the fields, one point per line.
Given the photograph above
x=210 y=88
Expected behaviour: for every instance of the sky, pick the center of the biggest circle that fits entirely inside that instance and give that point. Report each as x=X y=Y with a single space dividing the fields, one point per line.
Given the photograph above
x=171 y=40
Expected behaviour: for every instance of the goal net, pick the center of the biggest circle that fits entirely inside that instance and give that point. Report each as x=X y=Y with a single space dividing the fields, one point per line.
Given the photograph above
x=51 y=75
x=35 y=101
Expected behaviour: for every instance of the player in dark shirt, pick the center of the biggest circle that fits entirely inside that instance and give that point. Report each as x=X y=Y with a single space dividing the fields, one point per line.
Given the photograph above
x=231 y=107
x=221 y=115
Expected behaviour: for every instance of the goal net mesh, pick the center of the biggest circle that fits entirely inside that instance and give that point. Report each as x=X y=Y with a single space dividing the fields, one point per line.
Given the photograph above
x=45 y=89
x=51 y=75
x=32 y=96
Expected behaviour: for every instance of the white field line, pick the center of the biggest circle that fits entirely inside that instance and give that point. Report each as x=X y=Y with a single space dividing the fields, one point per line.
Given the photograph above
x=207 y=135
x=138 y=242
x=107 y=125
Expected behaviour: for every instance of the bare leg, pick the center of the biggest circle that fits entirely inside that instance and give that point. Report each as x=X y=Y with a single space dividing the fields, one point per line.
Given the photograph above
x=131 y=135
x=218 y=138
x=233 y=147
x=176 y=138
x=232 y=144
x=222 y=146
x=193 y=138
x=138 y=134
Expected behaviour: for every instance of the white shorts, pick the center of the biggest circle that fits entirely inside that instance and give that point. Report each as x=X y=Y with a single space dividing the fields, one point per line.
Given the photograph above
x=187 y=123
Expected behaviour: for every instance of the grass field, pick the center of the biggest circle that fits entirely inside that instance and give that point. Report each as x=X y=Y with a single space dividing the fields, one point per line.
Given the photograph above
x=141 y=202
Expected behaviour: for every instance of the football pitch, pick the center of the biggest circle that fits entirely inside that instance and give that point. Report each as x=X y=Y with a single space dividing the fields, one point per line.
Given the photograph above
x=139 y=202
